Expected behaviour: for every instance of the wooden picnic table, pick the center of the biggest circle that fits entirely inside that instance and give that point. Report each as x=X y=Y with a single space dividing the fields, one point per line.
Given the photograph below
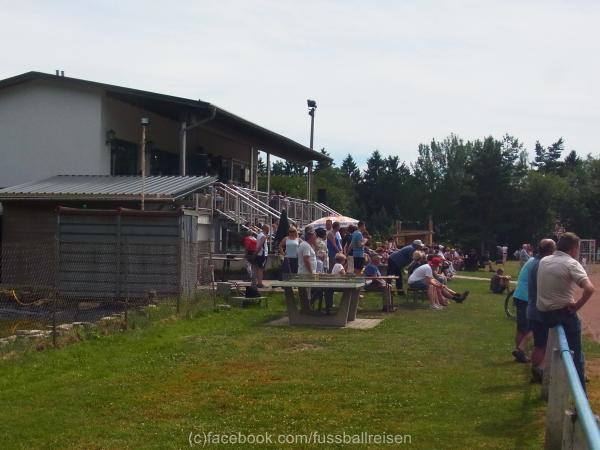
x=299 y=311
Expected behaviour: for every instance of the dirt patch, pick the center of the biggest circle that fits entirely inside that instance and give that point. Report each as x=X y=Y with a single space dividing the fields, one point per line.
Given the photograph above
x=592 y=371
x=590 y=313
x=304 y=347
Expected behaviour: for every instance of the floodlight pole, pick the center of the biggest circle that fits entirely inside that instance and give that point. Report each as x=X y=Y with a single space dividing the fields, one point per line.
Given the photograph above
x=145 y=122
x=312 y=105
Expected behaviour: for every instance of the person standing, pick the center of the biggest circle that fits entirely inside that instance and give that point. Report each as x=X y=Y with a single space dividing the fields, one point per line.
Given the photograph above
x=524 y=255
x=289 y=248
x=504 y=249
x=307 y=258
x=557 y=277
x=321 y=248
x=260 y=255
x=521 y=299
x=540 y=332
x=399 y=260
x=358 y=247
x=334 y=244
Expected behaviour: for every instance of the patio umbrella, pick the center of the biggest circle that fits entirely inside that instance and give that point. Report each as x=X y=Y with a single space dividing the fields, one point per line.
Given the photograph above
x=343 y=220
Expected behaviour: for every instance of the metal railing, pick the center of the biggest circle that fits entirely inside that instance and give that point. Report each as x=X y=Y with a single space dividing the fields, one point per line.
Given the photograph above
x=300 y=211
x=566 y=428
x=241 y=207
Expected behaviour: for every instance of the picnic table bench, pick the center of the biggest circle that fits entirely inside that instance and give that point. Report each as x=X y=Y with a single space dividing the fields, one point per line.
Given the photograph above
x=226 y=263
x=299 y=311
x=388 y=301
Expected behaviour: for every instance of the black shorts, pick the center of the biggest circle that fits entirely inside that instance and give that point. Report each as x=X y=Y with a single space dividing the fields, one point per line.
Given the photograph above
x=260 y=261
x=359 y=263
x=522 y=321
x=540 y=333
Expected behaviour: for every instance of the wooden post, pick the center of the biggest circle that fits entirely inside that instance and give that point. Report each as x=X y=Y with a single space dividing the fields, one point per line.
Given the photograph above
x=430 y=236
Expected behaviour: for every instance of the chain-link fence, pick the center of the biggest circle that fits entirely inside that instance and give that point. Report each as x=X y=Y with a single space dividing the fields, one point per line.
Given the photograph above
x=55 y=293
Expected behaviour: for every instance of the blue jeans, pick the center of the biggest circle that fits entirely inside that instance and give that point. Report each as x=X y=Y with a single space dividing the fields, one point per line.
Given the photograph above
x=393 y=269
x=572 y=326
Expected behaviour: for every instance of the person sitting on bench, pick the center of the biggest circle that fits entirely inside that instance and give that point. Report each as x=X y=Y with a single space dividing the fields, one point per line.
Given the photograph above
x=376 y=284
x=422 y=279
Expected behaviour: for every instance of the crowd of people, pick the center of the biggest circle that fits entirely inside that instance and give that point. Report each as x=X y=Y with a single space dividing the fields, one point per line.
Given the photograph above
x=351 y=249
x=544 y=298
x=544 y=295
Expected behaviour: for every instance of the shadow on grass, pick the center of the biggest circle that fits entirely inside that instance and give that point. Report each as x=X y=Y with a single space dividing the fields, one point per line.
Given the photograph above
x=522 y=423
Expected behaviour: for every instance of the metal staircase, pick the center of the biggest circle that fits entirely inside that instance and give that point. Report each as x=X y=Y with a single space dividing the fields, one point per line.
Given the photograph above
x=247 y=208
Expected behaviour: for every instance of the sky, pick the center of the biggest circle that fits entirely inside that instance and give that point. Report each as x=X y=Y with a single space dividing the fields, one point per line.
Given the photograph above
x=386 y=75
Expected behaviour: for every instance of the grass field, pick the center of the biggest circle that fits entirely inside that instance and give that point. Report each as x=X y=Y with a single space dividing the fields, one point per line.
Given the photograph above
x=446 y=378
x=510 y=268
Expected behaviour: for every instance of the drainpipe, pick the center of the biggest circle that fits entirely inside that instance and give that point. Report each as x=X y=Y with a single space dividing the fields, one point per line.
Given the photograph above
x=184 y=128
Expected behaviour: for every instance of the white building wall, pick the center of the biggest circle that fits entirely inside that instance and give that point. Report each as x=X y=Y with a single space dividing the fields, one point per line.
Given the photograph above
x=47 y=129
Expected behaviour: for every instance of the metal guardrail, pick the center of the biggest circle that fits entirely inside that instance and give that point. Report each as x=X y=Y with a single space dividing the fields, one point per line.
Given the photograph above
x=566 y=428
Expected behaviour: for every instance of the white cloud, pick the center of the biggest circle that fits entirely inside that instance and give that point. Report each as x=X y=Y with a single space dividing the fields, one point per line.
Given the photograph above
x=386 y=75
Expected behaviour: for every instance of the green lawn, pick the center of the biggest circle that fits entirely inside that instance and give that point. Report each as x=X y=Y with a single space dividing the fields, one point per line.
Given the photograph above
x=444 y=377
x=510 y=268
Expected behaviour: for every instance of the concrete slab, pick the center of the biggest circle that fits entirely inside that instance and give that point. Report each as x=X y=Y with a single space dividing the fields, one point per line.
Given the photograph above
x=357 y=324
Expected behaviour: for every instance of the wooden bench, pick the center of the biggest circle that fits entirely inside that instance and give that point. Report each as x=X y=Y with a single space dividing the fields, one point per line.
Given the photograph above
x=416 y=295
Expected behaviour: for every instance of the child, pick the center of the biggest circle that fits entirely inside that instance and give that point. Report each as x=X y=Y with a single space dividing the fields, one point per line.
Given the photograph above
x=499 y=282
x=339 y=270
x=338 y=267
x=317 y=293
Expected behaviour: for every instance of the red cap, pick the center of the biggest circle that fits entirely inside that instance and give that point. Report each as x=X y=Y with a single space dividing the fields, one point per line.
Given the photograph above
x=435 y=261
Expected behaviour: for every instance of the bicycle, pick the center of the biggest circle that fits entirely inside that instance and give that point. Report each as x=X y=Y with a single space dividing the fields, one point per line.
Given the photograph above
x=509 y=305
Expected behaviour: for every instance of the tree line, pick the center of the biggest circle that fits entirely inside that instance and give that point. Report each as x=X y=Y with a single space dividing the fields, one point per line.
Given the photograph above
x=479 y=193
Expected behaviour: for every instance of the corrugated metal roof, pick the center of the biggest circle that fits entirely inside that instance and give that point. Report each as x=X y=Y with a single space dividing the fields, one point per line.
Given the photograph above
x=104 y=187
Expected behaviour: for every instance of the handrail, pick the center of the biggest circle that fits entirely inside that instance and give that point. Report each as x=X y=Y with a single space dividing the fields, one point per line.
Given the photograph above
x=324 y=208
x=256 y=204
x=327 y=209
x=243 y=190
x=582 y=405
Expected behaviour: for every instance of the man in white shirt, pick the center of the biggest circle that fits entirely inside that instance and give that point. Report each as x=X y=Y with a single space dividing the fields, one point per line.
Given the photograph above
x=422 y=279
x=557 y=277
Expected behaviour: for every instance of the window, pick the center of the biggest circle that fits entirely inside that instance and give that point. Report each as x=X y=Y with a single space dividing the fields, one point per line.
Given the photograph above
x=123 y=157
x=163 y=163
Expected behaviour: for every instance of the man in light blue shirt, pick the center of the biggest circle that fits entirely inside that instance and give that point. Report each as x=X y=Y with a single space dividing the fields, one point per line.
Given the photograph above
x=358 y=247
x=521 y=297
x=546 y=247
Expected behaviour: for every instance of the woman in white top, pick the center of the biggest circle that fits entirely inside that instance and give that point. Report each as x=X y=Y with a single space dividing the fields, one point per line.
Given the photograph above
x=289 y=249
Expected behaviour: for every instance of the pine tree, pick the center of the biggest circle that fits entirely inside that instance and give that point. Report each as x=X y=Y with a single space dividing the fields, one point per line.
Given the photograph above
x=350 y=168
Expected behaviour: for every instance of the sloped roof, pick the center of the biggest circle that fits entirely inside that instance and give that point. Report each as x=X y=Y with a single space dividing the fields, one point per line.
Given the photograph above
x=174 y=107
x=104 y=187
